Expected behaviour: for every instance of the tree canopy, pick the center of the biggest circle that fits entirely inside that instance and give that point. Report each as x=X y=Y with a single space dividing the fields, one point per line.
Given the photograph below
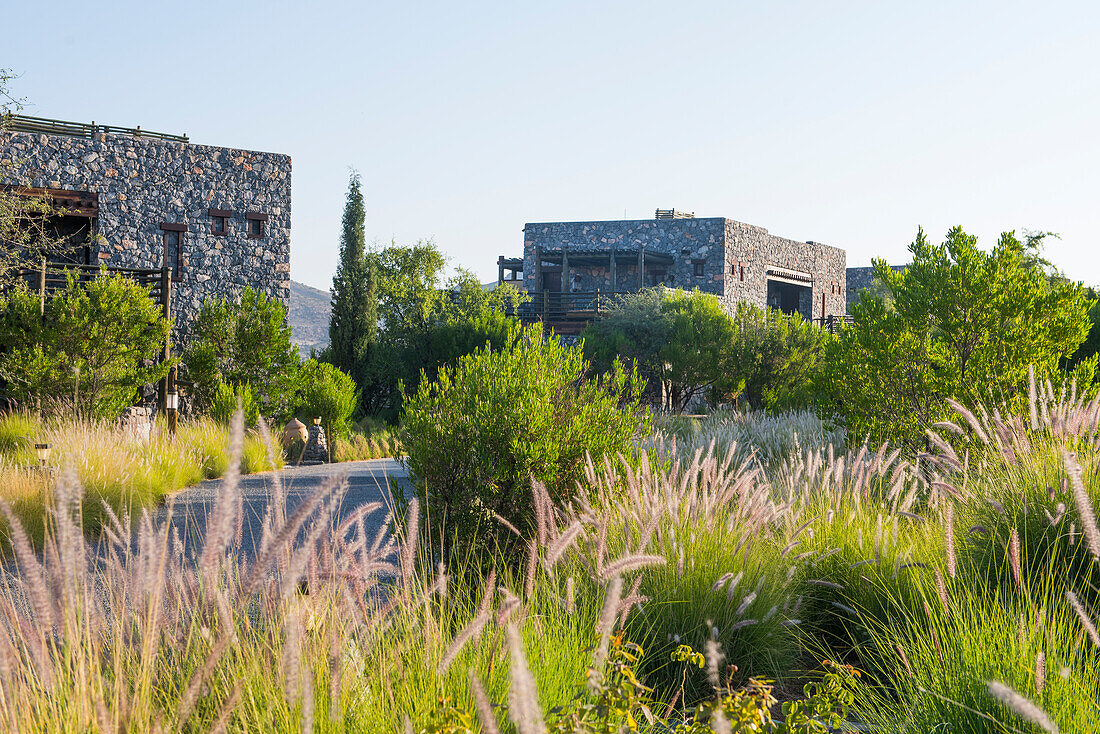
x=959 y=323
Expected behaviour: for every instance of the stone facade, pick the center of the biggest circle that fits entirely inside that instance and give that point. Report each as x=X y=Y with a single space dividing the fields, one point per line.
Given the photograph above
x=860 y=279
x=146 y=187
x=735 y=261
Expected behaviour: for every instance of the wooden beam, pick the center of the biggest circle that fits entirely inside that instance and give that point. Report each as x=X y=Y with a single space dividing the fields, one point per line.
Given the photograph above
x=614 y=272
x=565 y=269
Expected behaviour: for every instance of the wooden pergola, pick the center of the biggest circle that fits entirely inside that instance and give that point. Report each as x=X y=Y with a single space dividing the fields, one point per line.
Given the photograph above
x=605 y=257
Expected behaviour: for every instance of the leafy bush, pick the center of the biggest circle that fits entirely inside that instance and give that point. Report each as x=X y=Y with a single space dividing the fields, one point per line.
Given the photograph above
x=239 y=342
x=96 y=344
x=680 y=340
x=773 y=360
x=226 y=400
x=327 y=391
x=486 y=427
x=960 y=323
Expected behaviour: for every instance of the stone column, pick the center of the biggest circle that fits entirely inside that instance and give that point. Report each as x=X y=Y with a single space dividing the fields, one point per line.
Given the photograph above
x=538 y=270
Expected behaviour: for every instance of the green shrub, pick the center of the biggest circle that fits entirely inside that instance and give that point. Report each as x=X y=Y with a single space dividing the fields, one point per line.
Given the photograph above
x=774 y=359
x=228 y=397
x=19 y=432
x=96 y=344
x=480 y=433
x=243 y=341
x=327 y=391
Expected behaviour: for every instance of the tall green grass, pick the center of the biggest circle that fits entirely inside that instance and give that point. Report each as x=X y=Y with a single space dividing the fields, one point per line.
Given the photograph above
x=862 y=555
x=113 y=467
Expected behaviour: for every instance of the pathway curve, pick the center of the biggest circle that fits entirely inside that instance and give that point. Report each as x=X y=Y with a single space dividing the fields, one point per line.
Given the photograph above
x=367 y=481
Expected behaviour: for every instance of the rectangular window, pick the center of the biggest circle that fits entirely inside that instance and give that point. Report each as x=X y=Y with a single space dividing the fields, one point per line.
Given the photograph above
x=697 y=267
x=742 y=272
x=257 y=223
x=173 y=248
x=220 y=221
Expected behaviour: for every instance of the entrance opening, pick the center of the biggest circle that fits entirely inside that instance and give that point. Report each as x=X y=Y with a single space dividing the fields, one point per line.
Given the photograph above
x=790 y=298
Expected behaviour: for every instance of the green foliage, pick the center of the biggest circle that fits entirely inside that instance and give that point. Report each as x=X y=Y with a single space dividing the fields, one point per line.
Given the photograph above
x=353 y=325
x=329 y=392
x=426 y=323
x=90 y=352
x=963 y=324
x=617 y=700
x=227 y=398
x=680 y=339
x=774 y=359
x=479 y=434
x=246 y=341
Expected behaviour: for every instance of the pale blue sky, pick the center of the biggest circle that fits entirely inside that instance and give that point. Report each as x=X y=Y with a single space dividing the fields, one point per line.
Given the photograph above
x=849 y=123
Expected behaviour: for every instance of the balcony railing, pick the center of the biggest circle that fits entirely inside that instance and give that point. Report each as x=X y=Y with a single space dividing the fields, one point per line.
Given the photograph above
x=44 y=125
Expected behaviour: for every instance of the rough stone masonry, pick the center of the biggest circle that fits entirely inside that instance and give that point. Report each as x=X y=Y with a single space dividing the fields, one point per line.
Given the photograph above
x=219 y=216
x=735 y=261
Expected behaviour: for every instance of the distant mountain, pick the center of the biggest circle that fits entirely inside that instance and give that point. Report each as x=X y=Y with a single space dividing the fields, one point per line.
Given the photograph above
x=308 y=314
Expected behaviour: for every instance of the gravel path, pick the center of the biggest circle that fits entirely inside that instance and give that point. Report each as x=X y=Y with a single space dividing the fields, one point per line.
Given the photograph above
x=367 y=481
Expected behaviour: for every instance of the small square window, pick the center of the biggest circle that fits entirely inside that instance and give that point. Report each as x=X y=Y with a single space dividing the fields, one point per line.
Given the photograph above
x=219 y=221
x=697 y=267
x=256 y=224
x=742 y=272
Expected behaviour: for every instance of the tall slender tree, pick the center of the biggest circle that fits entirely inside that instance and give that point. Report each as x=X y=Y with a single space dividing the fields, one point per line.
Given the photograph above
x=353 y=326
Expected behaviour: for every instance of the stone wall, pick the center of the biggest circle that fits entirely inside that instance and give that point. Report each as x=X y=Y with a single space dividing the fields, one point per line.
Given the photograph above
x=754 y=250
x=859 y=279
x=735 y=258
x=686 y=240
x=142 y=183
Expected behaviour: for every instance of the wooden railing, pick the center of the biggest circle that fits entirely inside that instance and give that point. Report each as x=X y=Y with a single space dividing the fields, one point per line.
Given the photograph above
x=28 y=124
x=832 y=323
x=557 y=306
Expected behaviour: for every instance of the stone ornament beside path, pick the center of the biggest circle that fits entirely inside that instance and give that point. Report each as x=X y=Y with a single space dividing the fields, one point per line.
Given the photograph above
x=294 y=431
x=316 y=451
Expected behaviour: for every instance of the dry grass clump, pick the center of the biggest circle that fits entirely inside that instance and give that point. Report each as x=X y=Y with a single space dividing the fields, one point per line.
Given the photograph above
x=770 y=438
x=112 y=467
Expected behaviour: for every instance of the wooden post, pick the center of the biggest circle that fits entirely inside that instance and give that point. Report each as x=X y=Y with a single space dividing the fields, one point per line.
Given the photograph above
x=500 y=270
x=42 y=288
x=166 y=303
x=641 y=267
x=613 y=274
x=564 y=269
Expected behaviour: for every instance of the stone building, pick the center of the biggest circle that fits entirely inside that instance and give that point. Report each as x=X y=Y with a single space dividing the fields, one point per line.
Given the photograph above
x=575 y=263
x=219 y=218
x=862 y=278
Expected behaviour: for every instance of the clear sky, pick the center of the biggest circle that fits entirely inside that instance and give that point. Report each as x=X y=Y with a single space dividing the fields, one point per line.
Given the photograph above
x=849 y=123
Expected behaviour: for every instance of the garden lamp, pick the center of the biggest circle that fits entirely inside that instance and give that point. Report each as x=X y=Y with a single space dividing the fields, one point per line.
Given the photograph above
x=171 y=405
x=317 y=421
x=43 y=451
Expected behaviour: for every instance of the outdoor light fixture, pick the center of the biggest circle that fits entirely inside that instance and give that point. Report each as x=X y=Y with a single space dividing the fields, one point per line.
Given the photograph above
x=317 y=421
x=43 y=451
x=172 y=401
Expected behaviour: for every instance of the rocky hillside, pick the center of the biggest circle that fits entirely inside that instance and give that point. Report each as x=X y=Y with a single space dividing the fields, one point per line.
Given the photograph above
x=309 y=313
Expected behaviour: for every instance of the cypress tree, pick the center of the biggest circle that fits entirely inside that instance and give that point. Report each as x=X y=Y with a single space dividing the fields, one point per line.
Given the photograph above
x=353 y=325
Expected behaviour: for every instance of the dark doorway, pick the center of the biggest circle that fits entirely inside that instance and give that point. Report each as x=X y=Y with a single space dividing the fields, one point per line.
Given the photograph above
x=788 y=297
x=551 y=280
